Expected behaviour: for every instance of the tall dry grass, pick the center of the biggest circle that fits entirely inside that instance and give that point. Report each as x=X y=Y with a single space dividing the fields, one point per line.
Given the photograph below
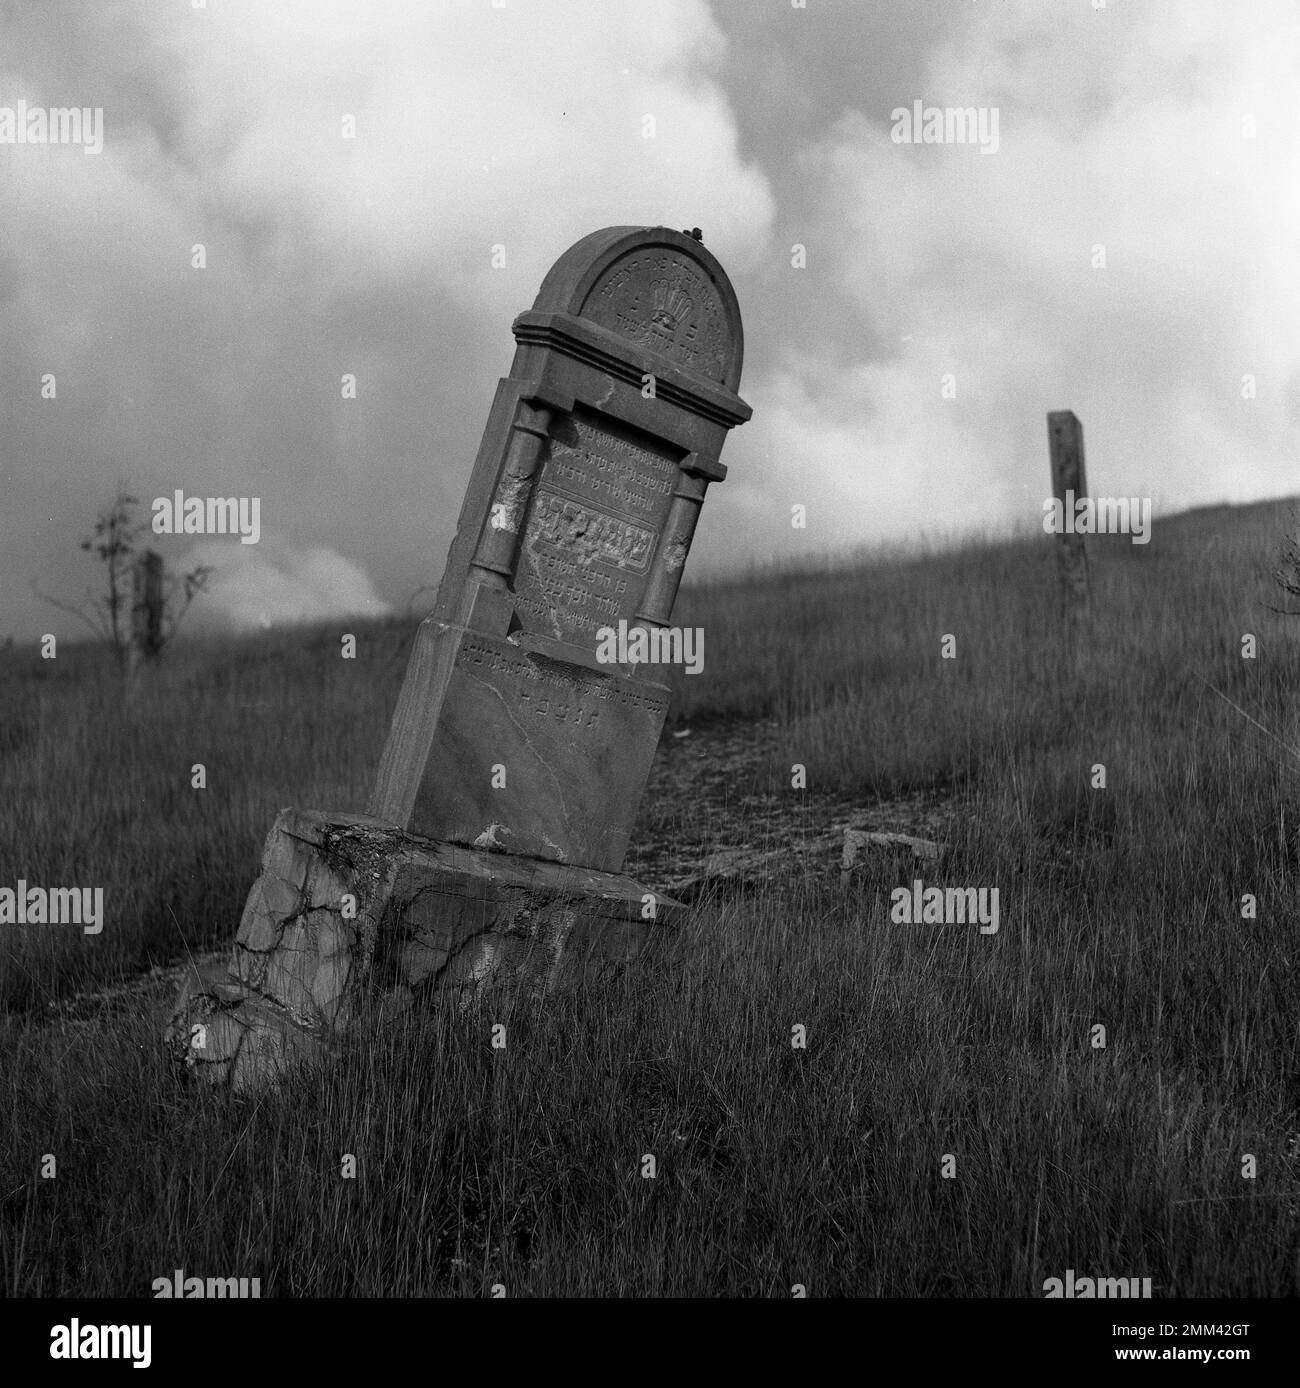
x=1120 y=907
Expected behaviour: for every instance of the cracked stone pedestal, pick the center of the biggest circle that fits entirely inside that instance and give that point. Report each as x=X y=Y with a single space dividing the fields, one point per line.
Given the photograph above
x=428 y=917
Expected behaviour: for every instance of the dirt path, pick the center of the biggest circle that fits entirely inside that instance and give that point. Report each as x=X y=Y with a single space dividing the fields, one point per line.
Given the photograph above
x=719 y=810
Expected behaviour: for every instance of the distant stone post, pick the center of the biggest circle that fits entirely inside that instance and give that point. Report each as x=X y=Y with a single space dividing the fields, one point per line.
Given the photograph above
x=147 y=605
x=145 y=641
x=1069 y=484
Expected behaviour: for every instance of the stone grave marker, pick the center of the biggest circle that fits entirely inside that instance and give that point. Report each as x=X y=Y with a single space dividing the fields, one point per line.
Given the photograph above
x=1065 y=441
x=516 y=760
x=144 y=641
x=147 y=605
x=579 y=515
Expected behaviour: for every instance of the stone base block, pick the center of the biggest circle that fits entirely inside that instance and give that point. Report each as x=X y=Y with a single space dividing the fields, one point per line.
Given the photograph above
x=349 y=908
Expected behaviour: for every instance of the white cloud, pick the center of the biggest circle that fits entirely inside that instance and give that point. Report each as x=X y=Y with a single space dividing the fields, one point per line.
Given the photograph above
x=274 y=584
x=476 y=126
x=522 y=126
x=981 y=266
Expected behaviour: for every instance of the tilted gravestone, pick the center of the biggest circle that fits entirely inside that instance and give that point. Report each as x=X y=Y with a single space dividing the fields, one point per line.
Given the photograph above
x=516 y=760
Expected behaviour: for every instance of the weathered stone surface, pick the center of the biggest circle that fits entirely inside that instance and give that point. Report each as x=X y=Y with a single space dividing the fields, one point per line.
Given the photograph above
x=573 y=749
x=509 y=733
x=855 y=840
x=225 y=1034
x=430 y=918
x=1065 y=442
x=271 y=1045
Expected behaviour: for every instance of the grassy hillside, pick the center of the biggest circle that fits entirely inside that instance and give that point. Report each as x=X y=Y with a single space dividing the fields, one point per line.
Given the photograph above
x=1120 y=907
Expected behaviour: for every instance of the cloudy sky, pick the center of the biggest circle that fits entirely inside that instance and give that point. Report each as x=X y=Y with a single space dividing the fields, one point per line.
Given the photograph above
x=1130 y=250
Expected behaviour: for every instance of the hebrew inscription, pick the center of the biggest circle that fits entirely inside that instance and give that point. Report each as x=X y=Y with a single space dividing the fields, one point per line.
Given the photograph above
x=597 y=515
x=591 y=534
x=548 y=691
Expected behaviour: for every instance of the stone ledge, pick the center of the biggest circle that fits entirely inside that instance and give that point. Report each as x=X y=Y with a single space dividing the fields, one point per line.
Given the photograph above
x=425 y=918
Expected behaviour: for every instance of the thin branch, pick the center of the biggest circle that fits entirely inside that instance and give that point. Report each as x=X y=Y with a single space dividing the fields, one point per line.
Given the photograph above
x=193 y=583
x=1254 y=722
x=94 y=619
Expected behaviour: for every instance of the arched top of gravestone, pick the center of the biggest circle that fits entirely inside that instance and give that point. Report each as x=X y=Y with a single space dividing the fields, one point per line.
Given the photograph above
x=658 y=288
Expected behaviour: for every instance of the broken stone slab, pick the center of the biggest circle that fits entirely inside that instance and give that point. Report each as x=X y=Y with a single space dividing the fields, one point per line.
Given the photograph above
x=801 y=856
x=725 y=864
x=226 y=1035
x=350 y=909
x=856 y=840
